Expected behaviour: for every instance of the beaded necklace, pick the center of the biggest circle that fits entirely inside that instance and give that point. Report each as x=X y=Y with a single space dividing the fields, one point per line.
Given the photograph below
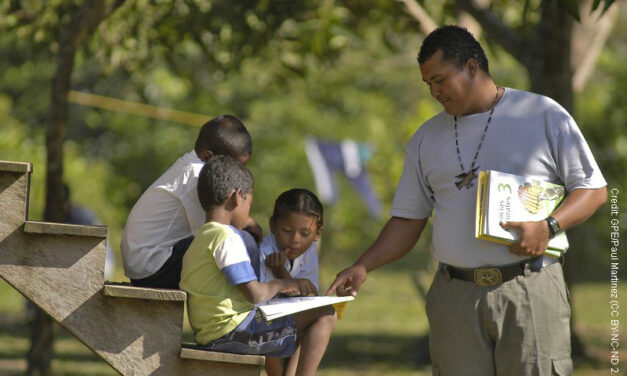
x=466 y=179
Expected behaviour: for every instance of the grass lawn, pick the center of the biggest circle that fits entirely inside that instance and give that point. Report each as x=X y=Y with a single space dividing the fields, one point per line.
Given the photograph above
x=381 y=333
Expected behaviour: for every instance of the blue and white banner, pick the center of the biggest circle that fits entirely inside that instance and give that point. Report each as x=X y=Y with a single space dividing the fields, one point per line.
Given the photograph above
x=329 y=158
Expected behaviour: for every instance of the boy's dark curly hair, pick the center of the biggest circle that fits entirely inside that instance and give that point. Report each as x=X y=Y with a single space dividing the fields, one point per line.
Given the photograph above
x=219 y=177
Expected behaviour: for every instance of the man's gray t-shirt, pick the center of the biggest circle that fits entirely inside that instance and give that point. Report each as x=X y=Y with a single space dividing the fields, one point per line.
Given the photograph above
x=529 y=135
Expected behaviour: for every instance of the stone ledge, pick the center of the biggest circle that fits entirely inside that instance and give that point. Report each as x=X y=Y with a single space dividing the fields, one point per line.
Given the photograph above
x=16 y=166
x=125 y=290
x=189 y=351
x=48 y=228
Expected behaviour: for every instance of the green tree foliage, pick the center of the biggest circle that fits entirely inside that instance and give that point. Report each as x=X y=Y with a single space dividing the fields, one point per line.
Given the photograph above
x=213 y=58
x=332 y=69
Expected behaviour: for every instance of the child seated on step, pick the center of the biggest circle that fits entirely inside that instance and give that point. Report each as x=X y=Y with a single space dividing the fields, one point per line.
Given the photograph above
x=222 y=286
x=166 y=217
x=291 y=249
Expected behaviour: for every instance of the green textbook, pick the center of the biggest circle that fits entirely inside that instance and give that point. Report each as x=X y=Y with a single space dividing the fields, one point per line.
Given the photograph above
x=503 y=197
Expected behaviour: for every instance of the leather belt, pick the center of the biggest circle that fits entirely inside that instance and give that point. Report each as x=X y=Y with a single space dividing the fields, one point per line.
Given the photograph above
x=494 y=276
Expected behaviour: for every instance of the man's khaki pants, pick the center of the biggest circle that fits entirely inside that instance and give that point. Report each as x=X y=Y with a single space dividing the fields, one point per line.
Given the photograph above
x=519 y=328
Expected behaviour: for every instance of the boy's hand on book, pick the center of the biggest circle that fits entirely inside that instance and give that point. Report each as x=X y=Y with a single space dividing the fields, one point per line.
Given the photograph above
x=532 y=237
x=348 y=281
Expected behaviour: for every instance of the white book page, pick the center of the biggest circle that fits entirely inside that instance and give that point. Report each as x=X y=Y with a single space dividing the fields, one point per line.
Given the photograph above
x=275 y=308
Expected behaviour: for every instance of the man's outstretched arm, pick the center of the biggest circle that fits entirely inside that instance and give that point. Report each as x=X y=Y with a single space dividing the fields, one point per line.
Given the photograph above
x=396 y=238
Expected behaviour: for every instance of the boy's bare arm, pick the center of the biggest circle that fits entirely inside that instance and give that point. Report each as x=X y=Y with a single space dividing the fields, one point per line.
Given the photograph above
x=259 y=292
x=280 y=272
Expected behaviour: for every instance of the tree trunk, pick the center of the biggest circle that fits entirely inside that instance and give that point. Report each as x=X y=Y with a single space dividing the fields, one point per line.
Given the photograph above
x=548 y=64
x=40 y=354
x=551 y=74
x=82 y=24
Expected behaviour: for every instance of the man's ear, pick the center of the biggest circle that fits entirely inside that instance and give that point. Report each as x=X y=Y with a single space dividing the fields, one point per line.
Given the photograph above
x=206 y=155
x=473 y=67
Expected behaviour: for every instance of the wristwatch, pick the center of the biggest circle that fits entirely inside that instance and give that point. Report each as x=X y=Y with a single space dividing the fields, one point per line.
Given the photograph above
x=554 y=226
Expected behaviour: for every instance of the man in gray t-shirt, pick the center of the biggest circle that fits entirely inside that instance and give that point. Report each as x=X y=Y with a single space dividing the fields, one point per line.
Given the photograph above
x=492 y=309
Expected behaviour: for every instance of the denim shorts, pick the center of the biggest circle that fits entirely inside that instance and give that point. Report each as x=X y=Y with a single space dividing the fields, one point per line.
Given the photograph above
x=256 y=336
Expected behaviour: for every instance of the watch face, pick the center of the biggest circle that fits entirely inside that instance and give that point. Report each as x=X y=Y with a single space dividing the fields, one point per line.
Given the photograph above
x=555 y=227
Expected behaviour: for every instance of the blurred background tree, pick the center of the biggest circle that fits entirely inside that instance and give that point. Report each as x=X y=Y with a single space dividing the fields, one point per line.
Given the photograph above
x=334 y=69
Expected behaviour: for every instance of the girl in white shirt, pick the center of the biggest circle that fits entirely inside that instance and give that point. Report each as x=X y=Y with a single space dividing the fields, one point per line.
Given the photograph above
x=291 y=250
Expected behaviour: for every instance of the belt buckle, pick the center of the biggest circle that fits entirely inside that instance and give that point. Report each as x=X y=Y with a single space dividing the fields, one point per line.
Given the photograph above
x=487 y=277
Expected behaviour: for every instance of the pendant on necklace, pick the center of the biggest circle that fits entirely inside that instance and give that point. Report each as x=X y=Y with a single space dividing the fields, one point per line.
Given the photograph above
x=466 y=180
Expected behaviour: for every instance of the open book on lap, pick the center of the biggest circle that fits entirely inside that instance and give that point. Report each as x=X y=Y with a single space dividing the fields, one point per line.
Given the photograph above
x=275 y=308
x=503 y=197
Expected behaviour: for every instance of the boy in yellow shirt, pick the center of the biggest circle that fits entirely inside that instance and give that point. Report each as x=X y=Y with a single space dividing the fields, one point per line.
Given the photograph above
x=222 y=286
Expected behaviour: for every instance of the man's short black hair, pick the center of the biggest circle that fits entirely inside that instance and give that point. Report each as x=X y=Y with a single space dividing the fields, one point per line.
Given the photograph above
x=224 y=135
x=457 y=44
x=219 y=177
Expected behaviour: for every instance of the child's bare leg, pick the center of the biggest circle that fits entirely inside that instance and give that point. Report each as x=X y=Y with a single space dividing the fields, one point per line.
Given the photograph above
x=292 y=363
x=314 y=331
x=274 y=366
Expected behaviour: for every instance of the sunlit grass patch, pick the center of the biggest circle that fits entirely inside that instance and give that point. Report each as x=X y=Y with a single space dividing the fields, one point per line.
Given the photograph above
x=382 y=332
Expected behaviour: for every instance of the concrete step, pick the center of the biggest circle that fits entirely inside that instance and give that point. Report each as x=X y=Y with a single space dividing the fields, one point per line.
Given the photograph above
x=49 y=228
x=126 y=290
x=192 y=351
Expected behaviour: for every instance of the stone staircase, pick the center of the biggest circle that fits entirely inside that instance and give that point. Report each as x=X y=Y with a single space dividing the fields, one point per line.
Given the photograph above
x=59 y=267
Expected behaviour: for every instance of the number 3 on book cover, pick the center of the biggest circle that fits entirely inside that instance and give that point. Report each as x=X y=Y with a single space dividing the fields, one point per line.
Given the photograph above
x=503 y=197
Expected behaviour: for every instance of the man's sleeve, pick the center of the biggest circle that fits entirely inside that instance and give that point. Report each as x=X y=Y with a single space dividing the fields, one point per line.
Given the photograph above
x=414 y=198
x=575 y=163
x=233 y=261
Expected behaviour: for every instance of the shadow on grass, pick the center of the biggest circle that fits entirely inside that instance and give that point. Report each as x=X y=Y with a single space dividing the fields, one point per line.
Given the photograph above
x=15 y=342
x=358 y=351
x=345 y=351
x=21 y=372
x=405 y=352
x=71 y=357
